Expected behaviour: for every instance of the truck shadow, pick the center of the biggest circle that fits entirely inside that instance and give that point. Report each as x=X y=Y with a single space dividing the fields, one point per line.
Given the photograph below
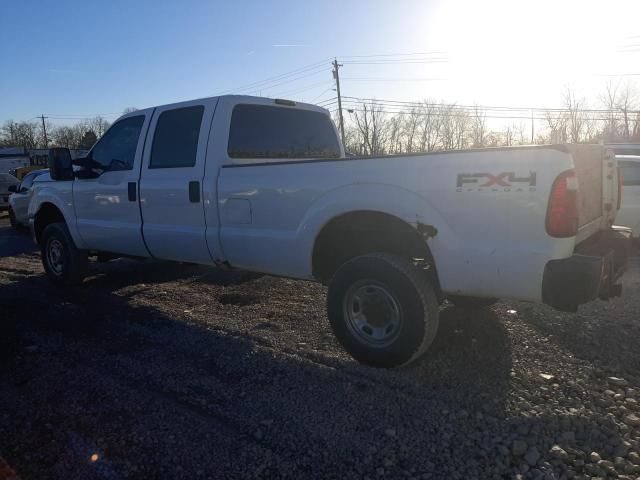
x=15 y=242
x=97 y=360
x=120 y=273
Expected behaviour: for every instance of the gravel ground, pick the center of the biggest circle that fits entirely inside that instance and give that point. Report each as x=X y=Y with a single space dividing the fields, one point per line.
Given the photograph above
x=157 y=370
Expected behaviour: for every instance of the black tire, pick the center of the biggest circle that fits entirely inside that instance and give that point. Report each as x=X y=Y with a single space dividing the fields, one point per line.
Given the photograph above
x=392 y=289
x=12 y=219
x=471 y=302
x=63 y=262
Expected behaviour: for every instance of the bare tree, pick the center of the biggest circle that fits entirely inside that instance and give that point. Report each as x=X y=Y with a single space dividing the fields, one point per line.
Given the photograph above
x=371 y=124
x=625 y=103
x=609 y=100
x=411 y=126
x=97 y=125
x=21 y=134
x=520 y=131
x=557 y=123
x=430 y=126
x=66 y=136
x=508 y=136
x=396 y=126
x=462 y=122
x=479 y=127
x=576 y=118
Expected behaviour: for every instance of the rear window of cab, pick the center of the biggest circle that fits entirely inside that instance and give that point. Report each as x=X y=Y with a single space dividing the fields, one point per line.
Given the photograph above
x=266 y=132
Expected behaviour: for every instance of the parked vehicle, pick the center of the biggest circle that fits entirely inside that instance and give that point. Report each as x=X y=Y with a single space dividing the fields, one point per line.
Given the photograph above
x=264 y=185
x=20 y=198
x=22 y=172
x=11 y=161
x=629 y=213
x=6 y=182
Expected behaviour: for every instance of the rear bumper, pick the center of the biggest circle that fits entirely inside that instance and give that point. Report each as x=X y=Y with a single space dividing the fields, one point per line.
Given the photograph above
x=591 y=272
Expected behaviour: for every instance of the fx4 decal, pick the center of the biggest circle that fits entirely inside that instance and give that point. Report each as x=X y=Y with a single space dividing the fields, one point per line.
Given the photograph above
x=506 y=181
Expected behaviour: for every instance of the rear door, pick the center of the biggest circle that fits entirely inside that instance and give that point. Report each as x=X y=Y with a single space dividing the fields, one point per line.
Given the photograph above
x=629 y=213
x=107 y=210
x=171 y=198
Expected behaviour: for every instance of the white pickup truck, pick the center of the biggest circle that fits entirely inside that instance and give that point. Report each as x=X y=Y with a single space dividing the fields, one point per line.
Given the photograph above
x=264 y=185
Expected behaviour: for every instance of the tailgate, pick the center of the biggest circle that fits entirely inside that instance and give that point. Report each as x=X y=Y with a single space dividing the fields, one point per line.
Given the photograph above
x=597 y=176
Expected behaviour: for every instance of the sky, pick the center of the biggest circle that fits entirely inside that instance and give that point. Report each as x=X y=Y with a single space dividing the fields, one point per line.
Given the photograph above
x=72 y=59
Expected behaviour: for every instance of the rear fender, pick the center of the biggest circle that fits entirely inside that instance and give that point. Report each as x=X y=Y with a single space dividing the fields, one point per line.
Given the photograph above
x=391 y=200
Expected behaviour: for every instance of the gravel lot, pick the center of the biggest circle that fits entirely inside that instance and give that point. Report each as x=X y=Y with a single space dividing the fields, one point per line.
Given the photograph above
x=157 y=370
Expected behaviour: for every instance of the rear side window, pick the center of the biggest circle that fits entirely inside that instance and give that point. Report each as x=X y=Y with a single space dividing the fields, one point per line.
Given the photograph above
x=175 y=142
x=630 y=173
x=261 y=131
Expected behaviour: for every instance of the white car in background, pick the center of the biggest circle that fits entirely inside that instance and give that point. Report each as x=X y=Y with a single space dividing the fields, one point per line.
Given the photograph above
x=20 y=198
x=6 y=181
x=629 y=213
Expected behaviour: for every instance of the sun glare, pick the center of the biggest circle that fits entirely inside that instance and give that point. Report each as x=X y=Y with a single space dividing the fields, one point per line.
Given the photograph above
x=525 y=52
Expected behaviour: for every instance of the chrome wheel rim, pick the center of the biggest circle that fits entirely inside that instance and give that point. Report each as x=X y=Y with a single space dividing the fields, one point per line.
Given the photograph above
x=372 y=313
x=55 y=255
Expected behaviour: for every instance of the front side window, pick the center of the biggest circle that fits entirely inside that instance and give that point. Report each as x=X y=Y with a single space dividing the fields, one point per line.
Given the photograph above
x=630 y=172
x=116 y=150
x=175 y=142
x=262 y=131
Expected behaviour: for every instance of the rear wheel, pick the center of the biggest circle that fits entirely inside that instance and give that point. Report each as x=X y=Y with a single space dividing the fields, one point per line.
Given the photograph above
x=383 y=309
x=63 y=262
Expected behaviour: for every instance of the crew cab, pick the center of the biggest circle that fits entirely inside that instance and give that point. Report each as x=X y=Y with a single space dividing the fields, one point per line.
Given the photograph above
x=264 y=185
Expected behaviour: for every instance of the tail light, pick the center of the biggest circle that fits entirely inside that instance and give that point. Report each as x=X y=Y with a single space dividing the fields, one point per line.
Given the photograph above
x=620 y=182
x=562 y=212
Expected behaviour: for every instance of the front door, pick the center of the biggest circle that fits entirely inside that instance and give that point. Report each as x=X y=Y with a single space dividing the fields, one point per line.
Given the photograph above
x=107 y=209
x=173 y=169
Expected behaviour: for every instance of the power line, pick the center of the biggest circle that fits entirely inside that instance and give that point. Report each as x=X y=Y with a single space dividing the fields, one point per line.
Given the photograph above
x=261 y=83
x=466 y=114
x=284 y=82
x=372 y=79
x=473 y=107
x=327 y=90
x=80 y=115
x=398 y=62
x=441 y=52
x=302 y=89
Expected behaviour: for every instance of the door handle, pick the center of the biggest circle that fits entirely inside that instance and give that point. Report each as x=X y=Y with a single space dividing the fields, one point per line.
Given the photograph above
x=131 y=189
x=194 y=192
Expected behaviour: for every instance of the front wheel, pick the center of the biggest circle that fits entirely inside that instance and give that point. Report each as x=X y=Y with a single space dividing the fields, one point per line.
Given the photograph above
x=383 y=309
x=63 y=262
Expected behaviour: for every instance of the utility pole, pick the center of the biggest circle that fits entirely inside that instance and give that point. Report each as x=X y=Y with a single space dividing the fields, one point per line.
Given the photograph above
x=44 y=132
x=532 y=127
x=336 y=76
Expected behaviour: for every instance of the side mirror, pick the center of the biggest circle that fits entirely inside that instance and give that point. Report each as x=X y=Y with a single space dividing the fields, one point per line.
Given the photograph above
x=13 y=188
x=60 y=166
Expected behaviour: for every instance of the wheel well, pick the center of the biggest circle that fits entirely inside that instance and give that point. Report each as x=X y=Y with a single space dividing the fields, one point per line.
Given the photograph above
x=357 y=233
x=47 y=214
